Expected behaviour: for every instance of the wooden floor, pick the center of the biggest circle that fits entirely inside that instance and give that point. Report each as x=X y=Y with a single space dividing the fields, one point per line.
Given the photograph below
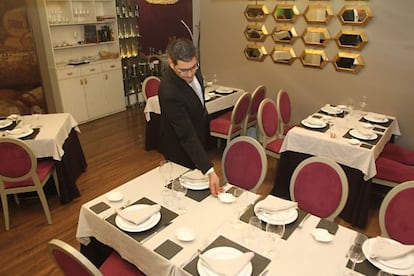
x=114 y=149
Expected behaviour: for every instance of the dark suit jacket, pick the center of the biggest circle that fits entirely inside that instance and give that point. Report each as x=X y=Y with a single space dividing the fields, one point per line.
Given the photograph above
x=184 y=124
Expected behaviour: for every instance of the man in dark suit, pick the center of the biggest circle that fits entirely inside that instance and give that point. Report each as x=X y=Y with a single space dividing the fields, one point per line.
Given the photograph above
x=184 y=119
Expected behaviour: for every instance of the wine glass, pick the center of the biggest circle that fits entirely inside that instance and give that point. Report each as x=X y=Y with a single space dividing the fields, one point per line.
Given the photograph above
x=274 y=233
x=36 y=110
x=215 y=79
x=363 y=103
x=239 y=204
x=165 y=170
x=355 y=253
x=255 y=224
x=180 y=191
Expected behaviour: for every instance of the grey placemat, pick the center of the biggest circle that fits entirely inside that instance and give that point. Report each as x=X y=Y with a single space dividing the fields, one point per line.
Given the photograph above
x=10 y=127
x=32 y=135
x=365 y=268
x=168 y=249
x=166 y=216
x=259 y=262
x=99 y=207
x=330 y=226
x=320 y=129
x=197 y=195
x=347 y=135
x=387 y=124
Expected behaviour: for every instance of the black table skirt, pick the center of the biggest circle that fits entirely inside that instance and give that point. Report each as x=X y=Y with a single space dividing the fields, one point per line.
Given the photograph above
x=152 y=129
x=357 y=205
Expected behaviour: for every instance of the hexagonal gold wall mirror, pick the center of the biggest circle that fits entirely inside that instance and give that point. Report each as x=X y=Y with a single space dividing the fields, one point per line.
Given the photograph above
x=314 y=58
x=348 y=62
x=255 y=52
x=284 y=34
x=355 y=15
x=285 y=13
x=283 y=55
x=256 y=33
x=351 y=39
x=316 y=36
x=318 y=14
x=256 y=12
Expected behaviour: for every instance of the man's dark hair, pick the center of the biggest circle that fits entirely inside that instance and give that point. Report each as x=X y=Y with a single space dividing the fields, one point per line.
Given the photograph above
x=181 y=49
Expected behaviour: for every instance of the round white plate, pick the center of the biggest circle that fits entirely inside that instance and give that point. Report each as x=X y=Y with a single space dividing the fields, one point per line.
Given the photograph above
x=5 y=123
x=114 y=196
x=342 y=106
x=130 y=227
x=185 y=234
x=223 y=252
x=224 y=90
x=354 y=141
x=355 y=133
x=322 y=235
x=20 y=134
x=197 y=185
x=226 y=197
x=375 y=119
x=207 y=97
x=398 y=266
x=277 y=218
x=367 y=125
x=331 y=110
x=309 y=124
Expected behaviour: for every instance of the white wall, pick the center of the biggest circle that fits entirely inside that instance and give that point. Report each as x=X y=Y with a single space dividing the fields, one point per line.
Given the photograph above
x=387 y=79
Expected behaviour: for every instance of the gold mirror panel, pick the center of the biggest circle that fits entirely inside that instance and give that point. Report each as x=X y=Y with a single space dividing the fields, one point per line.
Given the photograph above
x=255 y=52
x=285 y=13
x=316 y=36
x=256 y=12
x=283 y=55
x=348 y=62
x=355 y=15
x=256 y=33
x=351 y=39
x=284 y=34
x=318 y=14
x=314 y=58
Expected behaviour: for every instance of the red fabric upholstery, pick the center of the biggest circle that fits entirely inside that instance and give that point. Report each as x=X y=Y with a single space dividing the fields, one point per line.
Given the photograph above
x=243 y=165
x=398 y=217
x=285 y=107
x=43 y=169
x=114 y=265
x=151 y=88
x=257 y=98
x=69 y=264
x=275 y=145
x=11 y=155
x=398 y=153
x=270 y=119
x=241 y=110
x=222 y=123
x=394 y=171
x=318 y=189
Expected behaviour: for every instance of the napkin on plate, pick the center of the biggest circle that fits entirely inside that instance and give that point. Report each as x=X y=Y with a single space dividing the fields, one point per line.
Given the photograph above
x=275 y=204
x=17 y=131
x=227 y=267
x=332 y=109
x=386 y=249
x=138 y=216
x=365 y=132
x=195 y=177
x=376 y=116
x=314 y=121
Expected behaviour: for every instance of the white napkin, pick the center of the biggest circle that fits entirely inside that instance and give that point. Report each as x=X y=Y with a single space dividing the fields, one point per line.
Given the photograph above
x=386 y=249
x=365 y=132
x=227 y=267
x=138 y=216
x=314 y=121
x=18 y=131
x=275 y=204
x=376 y=116
x=332 y=109
x=195 y=175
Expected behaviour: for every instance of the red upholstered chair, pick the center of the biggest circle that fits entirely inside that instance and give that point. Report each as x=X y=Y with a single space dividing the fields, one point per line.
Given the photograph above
x=398 y=153
x=150 y=87
x=320 y=187
x=284 y=109
x=244 y=163
x=268 y=123
x=391 y=173
x=230 y=124
x=21 y=172
x=396 y=213
x=258 y=96
x=72 y=262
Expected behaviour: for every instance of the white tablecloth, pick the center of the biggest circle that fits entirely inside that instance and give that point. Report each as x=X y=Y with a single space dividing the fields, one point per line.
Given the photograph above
x=298 y=255
x=217 y=104
x=317 y=143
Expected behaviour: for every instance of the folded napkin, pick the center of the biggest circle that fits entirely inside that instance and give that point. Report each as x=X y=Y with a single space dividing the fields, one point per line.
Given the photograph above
x=195 y=175
x=18 y=131
x=138 y=216
x=275 y=204
x=227 y=267
x=332 y=109
x=376 y=116
x=365 y=132
x=314 y=121
x=386 y=249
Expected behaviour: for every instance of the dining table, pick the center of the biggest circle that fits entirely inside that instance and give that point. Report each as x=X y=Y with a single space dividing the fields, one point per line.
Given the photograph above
x=338 y=133
x=54 y=136
x=170 y=242
x=215 y=101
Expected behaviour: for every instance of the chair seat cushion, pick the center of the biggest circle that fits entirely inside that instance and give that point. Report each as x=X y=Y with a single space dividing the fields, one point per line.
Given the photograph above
x=392 y=170
x=221 y=124
x=398 y=153
x=275 y=145
x=43 y=170
x=115 y=265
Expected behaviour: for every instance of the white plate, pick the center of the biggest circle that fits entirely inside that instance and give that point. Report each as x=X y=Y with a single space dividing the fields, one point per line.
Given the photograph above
x=5 y=123
x=367 y=125
x=16 y=133
x=277 y=218
x=224 y=90
x=226 y=197
x=354 y=141
x=130 y=227
x=355 y=133
x=342 y=106
x=322 y=235
x=375 y=119
x=207 y=97
x=195 y=185
x=398 y=266
x=223 y=252
x=331 y=110
x=114 y=196
x=185 y=234
x=308 y=123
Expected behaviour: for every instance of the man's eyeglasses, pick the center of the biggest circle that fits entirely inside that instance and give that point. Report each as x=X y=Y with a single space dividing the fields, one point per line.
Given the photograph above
x=188 y=70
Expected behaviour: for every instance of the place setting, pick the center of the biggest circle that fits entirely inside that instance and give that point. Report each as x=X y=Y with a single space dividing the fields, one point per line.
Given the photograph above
x=363 y=133
x=195 y=183
x=332 y=110
x=315 y=123
x=224 y=90
x=378 y=119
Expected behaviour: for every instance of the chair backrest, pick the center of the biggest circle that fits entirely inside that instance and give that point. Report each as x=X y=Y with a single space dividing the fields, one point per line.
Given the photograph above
x=396 y=213
x=267 y=120
x=240 y=109
x=70 y=260
x=150 y=87
x=258 y=96
x=283 y=106
x=320 y=187
x=244 y=163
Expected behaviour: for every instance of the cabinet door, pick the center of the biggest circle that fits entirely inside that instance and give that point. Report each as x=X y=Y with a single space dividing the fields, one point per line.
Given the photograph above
x=95 y=97
x=114 y=90
x=73 y=99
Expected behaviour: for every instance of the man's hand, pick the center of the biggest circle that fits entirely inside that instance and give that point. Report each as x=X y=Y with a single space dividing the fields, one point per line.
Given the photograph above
x=214 y=182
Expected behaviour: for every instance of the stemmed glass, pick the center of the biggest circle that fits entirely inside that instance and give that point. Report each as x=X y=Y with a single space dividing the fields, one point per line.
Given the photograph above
x=165 y=170
x=250 y=233
x=363 y=103
x=275 y=233
x=239 y=204
x=180 y=191
x=355 y=253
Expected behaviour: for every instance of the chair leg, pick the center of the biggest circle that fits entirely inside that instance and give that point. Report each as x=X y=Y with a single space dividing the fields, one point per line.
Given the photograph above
x=43 y=200
x=16 y=199
x=56 y=181
x=5 y=211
